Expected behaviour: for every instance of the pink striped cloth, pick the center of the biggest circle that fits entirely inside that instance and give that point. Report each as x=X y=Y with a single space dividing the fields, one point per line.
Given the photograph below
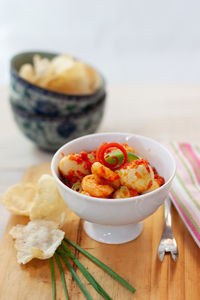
x=185 y=192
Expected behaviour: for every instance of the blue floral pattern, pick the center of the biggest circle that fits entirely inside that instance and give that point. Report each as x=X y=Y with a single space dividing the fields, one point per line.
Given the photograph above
x=52 y=132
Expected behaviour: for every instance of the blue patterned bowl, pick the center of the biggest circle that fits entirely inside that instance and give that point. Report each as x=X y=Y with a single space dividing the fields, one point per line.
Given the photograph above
x=50 y=132
x=37 y=100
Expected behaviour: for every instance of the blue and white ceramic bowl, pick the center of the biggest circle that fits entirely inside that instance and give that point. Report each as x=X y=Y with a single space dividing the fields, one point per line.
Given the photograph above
x=37 y=100
x=50 y=132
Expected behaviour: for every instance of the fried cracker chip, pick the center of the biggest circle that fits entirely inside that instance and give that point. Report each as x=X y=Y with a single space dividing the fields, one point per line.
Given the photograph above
x=19 y=198
x=48 y=204
x=42 y=70
x=79 y=79
x=61 y=63
x=62 y=74
x=27 y=72
x=38 y=239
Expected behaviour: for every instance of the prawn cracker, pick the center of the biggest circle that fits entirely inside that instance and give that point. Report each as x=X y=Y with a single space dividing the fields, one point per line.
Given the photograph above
x=48 y=204
x=38 y=239
x=19 y=198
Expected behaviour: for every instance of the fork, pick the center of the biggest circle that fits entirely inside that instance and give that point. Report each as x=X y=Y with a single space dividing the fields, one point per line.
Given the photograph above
x=167 y=242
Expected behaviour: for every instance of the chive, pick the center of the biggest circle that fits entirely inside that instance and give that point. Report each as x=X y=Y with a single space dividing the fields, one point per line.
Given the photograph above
x=62 y=275
x=53 y=279
x=85 y=272
x=103 y=266
x=77 y=279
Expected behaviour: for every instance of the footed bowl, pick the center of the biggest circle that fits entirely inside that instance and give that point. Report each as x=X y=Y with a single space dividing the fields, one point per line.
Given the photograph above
x=116 y=221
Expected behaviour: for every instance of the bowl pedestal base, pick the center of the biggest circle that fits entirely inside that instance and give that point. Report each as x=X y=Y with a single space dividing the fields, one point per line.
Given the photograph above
x=113 y=234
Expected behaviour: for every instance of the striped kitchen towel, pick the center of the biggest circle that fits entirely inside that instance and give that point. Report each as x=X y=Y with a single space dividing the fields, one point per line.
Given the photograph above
x=185 y=191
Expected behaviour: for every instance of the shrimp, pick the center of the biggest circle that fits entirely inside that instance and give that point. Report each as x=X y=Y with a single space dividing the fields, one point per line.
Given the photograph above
x=105 y=175
x=95 y=189
x=156 y=183
x=124 y=192
x=137 y=175
x=85 y=193
x=74 y=166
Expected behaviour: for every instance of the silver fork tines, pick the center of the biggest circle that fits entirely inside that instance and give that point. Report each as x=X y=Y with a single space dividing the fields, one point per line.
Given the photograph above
x=167 y=242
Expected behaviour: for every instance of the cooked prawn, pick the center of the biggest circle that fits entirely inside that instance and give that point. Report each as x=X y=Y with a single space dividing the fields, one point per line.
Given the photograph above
x=137 y=175
x=95 y=189
x=124 y=192
x=106 y=175
x=85 y=193
x=74 y=166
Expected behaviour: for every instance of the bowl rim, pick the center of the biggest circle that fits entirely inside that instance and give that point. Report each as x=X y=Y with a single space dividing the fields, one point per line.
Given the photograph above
x=46 y=91
x=107 y=200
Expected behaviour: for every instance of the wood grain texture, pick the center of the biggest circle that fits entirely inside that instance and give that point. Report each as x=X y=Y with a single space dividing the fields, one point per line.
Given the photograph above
x=136 y=261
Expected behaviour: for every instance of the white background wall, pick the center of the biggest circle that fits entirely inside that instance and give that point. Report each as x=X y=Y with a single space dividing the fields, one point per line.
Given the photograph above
x=145 y=41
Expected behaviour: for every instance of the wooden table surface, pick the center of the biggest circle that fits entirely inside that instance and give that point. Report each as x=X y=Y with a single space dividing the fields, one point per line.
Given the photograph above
x=136 y=261
x=164 y=113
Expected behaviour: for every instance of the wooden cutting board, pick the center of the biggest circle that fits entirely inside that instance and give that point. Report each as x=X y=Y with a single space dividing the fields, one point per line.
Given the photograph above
x=136 y=261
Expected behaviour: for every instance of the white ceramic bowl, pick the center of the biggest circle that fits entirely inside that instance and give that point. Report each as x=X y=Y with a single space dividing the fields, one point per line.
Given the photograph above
x=116 y=221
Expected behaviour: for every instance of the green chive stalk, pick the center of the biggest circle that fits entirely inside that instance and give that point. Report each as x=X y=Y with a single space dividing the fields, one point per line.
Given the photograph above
x=85 y=272
x=103 y=266
x=53 y=279
x=76 y=278
x=62 y=275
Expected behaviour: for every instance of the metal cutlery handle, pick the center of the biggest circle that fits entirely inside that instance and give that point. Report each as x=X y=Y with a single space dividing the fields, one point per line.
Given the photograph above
x=167 y=211
x=167 y=242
